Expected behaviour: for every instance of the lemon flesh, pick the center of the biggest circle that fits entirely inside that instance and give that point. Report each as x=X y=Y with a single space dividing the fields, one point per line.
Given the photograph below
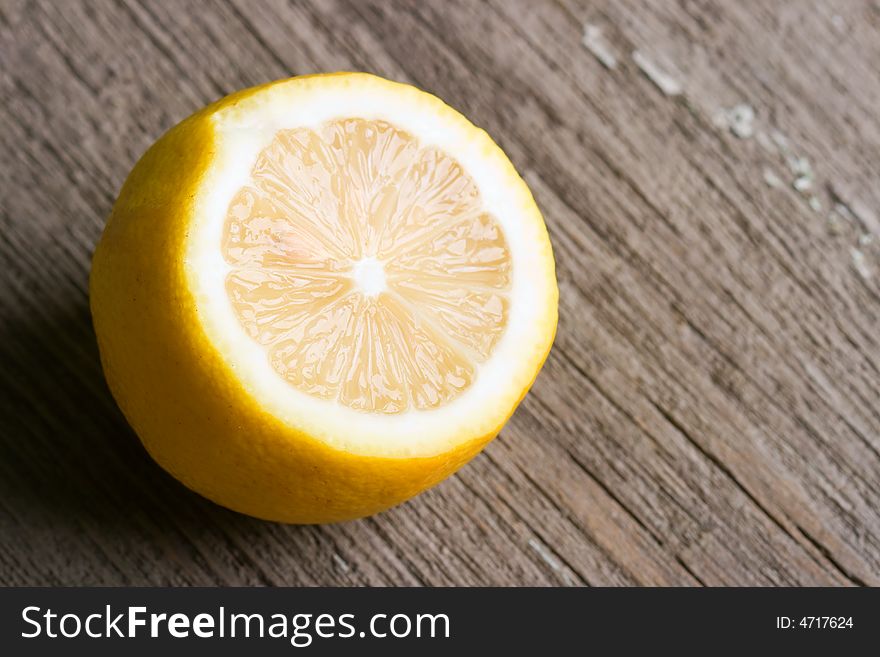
x=367 y=266
x=316 y=298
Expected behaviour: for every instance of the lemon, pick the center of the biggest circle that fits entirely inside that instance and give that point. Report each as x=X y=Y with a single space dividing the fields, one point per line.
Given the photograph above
x=318 y=297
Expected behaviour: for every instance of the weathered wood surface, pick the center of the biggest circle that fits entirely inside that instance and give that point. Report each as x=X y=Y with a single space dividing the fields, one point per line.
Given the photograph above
x=709 y=414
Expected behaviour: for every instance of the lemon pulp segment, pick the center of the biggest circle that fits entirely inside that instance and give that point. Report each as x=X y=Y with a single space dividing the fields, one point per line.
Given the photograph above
x=366 y=266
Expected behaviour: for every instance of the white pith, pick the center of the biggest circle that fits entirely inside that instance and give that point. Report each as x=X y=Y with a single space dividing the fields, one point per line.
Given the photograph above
x=244 y=131
x=369 y=276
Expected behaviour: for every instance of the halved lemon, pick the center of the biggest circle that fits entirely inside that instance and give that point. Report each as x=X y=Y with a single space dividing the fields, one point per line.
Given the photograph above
x=318 y=297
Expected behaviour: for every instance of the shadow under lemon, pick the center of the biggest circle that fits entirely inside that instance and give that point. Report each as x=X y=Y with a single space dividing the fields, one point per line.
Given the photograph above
x=73 y=473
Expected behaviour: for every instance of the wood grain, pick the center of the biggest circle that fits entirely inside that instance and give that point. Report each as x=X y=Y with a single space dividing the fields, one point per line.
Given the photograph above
x=709 y=414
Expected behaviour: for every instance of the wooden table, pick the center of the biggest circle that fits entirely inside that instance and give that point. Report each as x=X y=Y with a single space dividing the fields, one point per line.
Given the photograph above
x=710 y=175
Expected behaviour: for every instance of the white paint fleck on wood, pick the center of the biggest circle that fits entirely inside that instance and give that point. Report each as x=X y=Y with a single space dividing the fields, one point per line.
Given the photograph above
x=742 y=119
x=802 y=183
x=664 y=81
x=548 y=558
x=343 y=565
x=545 y=554
x=771 y=178
x=860 y=262
x=595 y=42
x=800 y=166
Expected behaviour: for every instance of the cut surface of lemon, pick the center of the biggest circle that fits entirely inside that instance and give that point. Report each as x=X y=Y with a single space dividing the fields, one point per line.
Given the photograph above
x=315 y=298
